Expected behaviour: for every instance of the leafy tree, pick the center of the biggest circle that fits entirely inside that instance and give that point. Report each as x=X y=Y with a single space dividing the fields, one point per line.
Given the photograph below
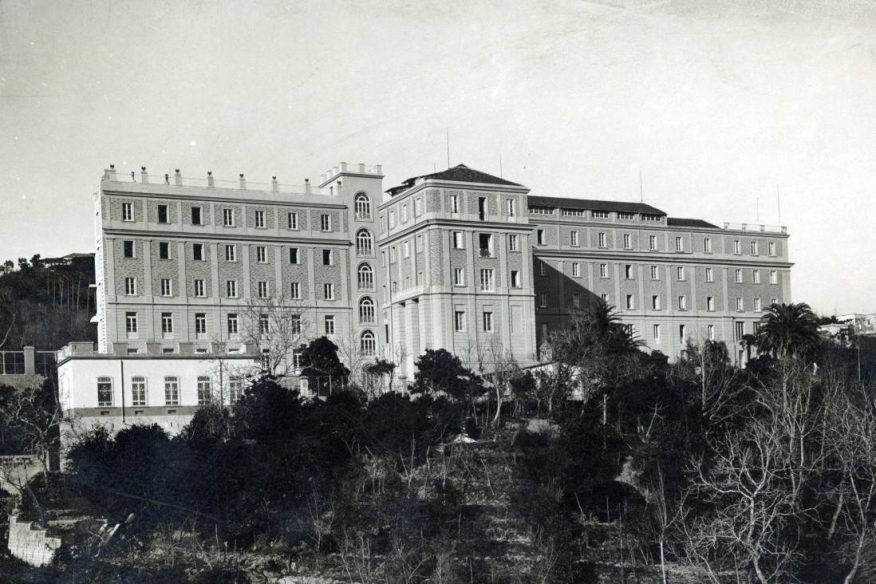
x=320 y=363
x=438 y=370
x=788 y=330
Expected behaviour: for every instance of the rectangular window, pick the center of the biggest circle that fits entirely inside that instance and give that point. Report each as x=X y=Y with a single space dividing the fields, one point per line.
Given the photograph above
x=711 y=332
x=542 y=300
x=707 y=244
x=292 y=220
x=171 y=391
x=458 y=277
x=574 y=238
x=454 y=203
x=774 y=301
x=230 y=253
x=264 y=324
x=682 y=303
x=656 y=332
x=459 y=321
x=406 y=249
x=740 y=306
x=260 y=219
x=201 y=323
x=774 y=277
x=576 y=270
x=604 y=297
x=739 y=276
x=130 y=286
x=104 y=392
x=296 y=324
x=772 y=248
x=235 y=389
x=127 y=212
x=329 y=323
x=682 y=332
x=198 y=252
x=513 y=242
x=679 y=244
x=164 y=250
x=205 y=390
x=488 y=321
x=652 y=242
x=263 y=289
x=602 y=240
x=710 y=275
x=231 y=288
x=710 y=304
x=404 y=214
x=163 y=216
x=630 y=302
x=418 y=207
x=228 y=217
x=740 y=330
x=138 y=391
x=418 y=245
x=757 y=305
x=487 y=280
x=295 y=290
x=166 y=287
x=458 y=240
x=655 y=273
x=325 y=222
x=512 y=207
x=166 y=322
x=540 y=237
x=655 y=302
x=261 y=254
x=628 y=272
x=754 y=248
x=327 y=257
x=232 y=324
x=603 y=270
x=485 y=245
x=197 y=216
x=294 y=257
x=680 y=273
x=515 y=279
x=737 y=247
x=755 y=276
x=131 y=322
x=328 y=291
x=482 y=208
x=576 y=300
x=628 y=241
x=200 y=288
x=542 y=268
x=128 y=249
x=391 y=219
x=599 y=214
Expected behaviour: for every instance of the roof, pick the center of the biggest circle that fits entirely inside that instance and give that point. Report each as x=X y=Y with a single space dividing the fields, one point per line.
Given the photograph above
x=459 y=173
x=594 y=205
x=680 y=222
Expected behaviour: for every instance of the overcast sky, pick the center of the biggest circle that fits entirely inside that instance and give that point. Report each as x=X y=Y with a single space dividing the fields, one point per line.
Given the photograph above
x=716 y=102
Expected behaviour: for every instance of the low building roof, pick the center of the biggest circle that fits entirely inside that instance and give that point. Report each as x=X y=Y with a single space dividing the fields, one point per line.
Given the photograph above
x=458 y=173
x=594 y=205
x=681 y=222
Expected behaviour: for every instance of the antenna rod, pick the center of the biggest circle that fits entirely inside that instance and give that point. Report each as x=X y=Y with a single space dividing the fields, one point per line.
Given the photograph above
x=758 y=210
x=779 y=203
x=448 y=147
x=501 y=175
x=641 y=187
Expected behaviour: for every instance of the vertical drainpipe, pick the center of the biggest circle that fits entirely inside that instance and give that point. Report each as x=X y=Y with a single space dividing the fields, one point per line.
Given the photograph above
x=122 y=367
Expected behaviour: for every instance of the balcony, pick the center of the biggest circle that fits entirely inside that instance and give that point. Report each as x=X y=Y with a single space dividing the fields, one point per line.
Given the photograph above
x=486 y=252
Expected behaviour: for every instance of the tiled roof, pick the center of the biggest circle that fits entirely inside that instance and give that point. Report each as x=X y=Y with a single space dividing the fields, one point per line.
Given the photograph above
x=459 y=173
x=593 y=205
x=680 y=222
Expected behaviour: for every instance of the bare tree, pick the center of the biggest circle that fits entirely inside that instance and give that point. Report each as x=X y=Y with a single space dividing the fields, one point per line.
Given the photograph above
x=277 y=326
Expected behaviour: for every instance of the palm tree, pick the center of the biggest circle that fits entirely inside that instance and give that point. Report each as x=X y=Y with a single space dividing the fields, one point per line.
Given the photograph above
x=788 y=330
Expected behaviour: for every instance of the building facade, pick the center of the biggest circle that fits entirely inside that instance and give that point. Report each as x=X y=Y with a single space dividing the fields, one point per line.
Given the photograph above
x=192 y=273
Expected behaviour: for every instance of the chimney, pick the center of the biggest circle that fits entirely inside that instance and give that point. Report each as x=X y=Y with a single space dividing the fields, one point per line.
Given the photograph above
x=242 y=182
x=144 y=178
x=111 y=173
x=339 y=187
x=210 y=179
x=177 y=178
x=307 y=186
x=275 y=186
x=361 y=168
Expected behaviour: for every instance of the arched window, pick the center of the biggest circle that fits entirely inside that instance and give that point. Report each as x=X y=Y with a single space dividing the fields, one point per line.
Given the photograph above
x=368 y=343
x=363 y=242
x=366 y=310
x=363 y=207
x=366 y=277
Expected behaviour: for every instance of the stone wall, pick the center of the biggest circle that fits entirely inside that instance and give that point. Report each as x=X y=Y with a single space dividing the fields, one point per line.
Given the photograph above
x=31 y=544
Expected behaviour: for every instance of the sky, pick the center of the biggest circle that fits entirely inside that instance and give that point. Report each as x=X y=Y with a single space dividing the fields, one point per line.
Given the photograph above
x=717 y=105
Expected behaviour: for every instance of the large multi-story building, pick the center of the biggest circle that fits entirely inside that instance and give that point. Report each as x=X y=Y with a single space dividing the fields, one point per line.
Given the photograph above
x=458 y=259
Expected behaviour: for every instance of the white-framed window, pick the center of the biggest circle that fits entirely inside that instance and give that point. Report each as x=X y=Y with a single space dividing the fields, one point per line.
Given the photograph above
x=292 y=220
x=200 y=323
x=573 y=236
x=679 y=244
x=710 y=275
x=738 y=276
x=296 y=326
x=754 y=248
x=329 y=324
x=542 y=268
x=198 y=252
x=392 y=218
x=228 y=217
x=682 y=332
x=325 y=222
x=231 y=288
x=230 y=253
x=458 y=240
x=205 y=390
x=232 y=324
x=167 y=323
x=404 y=213
x=200 y=288
x=366 y=310
x=458 y=277
x=740 y=305
x=171 y=391
x=131 y=322
x=418 y=244
x=680 y=273
x=365 y=277
x=542 y=300
x=603 y=270
x=294 y=255
x=515 y=279
x=130 y=286
x=235 y=389
x=737 y=247
x=774 y=301
x=454 y=203
x=295 y=290
x=362 y=206
x=710 y=303
x=418 y=206
x=599 y=214
x=368 y=343
x=630 y=302
x=772 y=248
x=655 y=273
x=755 y=276
x=604 y=297
x=682 y=302
x=652 y=242
x=392 y=254
x=774 y=277
x=655 y=302
x=364 y=243
x=128 y=249
x=656 y=332
x=488 y=321
x=707 y=244
x=264 y=324
x=487 y=280
x=328 y=258
x=511 y=206
x=261 y=254
x=540 y=237
x=576 y=270
x=406 y=249
x=711 y=332
x=166 y=287
x=628 y=272
x=138 y=390
x=628 y=241
x=602 y=239
x=127 y=212
x=513 y=242
x=164 y=250
x=104 y=392
x=328 y=291
x=260 y=219
x=757 y=305
x=163 y=214
x=262 y=289
x=459 y=321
